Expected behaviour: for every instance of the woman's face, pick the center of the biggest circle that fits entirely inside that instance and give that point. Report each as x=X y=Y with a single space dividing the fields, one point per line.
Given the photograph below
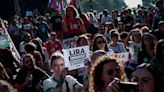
x=114 y=38
x=145 y=80
x=147 y=40
x=28 y=63
x=100 y=43
x=83 y=42
x=109 y=72
x=69 y=12
x=137 y=38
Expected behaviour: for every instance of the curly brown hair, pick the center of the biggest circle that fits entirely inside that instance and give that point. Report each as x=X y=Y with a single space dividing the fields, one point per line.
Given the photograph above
x=95 y=81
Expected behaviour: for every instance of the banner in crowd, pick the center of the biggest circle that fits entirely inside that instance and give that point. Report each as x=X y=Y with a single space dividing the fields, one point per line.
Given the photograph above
x=121 y=57
x=74 y=57
x=4 y=43
x=29 y=13
x=69 y=43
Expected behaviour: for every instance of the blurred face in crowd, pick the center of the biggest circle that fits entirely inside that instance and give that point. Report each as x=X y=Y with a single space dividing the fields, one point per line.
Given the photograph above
x=137 y=38
x=83 y=42
x=114 y=38
x=27 y=37
x=53 y=37
x=147 y=40
x=28 y=63
x=69 y=12
x=57 y=66
x=109 y=72
x=100 y=43
x=145 y=80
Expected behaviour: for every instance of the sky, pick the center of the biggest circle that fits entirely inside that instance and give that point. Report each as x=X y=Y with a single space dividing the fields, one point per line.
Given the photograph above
x=133 y=3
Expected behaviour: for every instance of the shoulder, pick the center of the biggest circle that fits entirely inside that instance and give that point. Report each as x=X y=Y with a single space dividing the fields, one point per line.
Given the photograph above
x=70 y=79
x=48 y=81
x=48 y=84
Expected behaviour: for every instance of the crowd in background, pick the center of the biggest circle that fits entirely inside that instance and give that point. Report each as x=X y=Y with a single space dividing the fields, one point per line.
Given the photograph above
x=41 y=67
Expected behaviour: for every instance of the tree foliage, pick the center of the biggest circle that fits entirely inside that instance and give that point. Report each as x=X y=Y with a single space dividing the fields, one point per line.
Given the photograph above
x=102 y=4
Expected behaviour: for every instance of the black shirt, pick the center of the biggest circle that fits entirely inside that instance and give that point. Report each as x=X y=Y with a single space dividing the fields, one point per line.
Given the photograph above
x=56 y=23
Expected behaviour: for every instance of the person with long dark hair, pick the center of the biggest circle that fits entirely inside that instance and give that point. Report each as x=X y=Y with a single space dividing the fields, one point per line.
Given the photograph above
x=158 y=65
x=147 y=52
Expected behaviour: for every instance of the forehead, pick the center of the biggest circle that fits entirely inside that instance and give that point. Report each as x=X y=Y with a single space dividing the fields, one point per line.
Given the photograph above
x=142 y=73
x=27 y=59
x=69 y=9
x=110 y=65
x=58 y=61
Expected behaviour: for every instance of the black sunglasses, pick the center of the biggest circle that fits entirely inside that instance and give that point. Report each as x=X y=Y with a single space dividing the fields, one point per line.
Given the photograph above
x=99 y=42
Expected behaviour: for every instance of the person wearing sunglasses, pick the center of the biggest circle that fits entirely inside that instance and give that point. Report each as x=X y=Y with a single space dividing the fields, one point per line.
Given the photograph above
x=100 y=43
x=103 y=72
x=143 y=76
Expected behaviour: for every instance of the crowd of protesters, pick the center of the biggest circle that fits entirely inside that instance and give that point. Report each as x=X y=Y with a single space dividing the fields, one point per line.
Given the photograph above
x=41 y=66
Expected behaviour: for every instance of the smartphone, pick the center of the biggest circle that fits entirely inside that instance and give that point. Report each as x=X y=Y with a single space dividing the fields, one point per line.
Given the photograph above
x=129 y=86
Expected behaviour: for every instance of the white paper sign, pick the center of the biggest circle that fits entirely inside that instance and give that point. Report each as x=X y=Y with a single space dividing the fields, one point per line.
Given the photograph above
x=121 y=57
x=74 y=57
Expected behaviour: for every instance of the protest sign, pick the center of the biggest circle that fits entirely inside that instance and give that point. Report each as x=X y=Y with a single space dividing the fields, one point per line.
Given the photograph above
x=69 y=43
x=121 y=57
x=4 y=43
x=74 y=57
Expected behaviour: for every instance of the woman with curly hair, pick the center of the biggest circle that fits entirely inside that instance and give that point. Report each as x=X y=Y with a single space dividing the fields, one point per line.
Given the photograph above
x=104 y=71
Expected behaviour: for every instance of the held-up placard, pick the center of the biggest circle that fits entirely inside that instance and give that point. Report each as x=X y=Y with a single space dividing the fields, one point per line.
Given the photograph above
x=121 y=58
x=69 y=43
x=4 y=43
x=74 y=57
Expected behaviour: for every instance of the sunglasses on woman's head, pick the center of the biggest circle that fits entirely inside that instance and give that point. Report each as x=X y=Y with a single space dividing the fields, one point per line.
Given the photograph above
x=99 y=42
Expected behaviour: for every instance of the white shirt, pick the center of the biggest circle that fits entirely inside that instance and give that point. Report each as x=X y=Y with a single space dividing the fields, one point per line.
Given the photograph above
x=51 y=84
x=134 y=48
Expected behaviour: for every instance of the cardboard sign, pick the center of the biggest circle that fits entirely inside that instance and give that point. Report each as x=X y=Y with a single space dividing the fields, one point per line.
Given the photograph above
x=69 y=43
x=74 y=57
x=121 y=57
x=4 y=43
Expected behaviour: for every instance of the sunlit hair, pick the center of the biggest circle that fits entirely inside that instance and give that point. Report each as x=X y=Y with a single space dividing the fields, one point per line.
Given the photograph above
x=6 y=87
x=94 y=46
x=95 y=82
x=96 y=54
x=4 y=75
